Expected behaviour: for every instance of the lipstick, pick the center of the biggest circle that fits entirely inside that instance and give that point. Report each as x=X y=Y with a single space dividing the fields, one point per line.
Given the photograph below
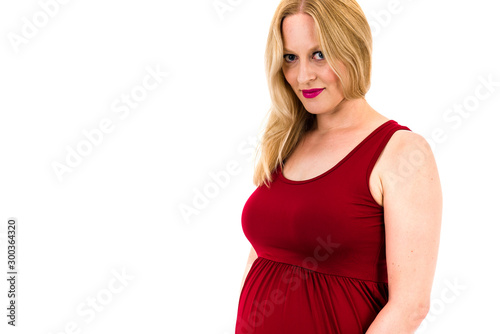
x=311 y=93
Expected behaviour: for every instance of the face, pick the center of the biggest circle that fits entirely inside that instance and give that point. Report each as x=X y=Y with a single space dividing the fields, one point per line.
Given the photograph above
x=305 y=67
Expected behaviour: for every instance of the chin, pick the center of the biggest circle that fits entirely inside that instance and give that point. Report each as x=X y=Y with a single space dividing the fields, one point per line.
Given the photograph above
x=315 y=111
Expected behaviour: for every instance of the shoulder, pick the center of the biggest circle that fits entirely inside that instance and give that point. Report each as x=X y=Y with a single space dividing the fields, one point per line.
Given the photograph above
x=408 y=157
x=405 y=142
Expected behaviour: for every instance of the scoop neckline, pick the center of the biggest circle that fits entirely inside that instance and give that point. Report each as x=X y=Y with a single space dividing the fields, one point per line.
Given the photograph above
x=344 y=159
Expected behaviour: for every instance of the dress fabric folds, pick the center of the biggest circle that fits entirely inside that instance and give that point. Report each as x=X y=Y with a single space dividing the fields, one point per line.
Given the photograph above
x=321 y=266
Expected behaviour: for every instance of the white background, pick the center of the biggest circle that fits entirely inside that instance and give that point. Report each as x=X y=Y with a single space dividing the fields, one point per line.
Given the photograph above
x=119 y=209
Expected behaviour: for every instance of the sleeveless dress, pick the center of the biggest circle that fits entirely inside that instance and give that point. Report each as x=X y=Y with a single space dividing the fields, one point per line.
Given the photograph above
x=321 y=265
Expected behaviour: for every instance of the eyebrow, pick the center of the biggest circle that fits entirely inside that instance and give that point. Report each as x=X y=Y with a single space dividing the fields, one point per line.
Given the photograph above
x=313 y=48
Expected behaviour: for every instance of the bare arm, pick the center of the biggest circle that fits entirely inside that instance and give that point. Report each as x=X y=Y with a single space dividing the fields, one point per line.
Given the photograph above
x=251 y=258
x=412 y=201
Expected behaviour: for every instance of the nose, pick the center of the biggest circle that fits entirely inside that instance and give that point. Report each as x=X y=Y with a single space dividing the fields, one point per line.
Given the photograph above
x=306 y=72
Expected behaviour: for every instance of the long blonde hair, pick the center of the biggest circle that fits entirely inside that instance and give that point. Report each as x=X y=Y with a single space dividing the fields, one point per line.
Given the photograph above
x=344 y=36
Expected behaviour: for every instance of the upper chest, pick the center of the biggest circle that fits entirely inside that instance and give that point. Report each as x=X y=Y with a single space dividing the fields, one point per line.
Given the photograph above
x=315 y=155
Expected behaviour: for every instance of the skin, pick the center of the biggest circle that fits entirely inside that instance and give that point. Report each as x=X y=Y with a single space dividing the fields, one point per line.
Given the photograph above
x=408 y=188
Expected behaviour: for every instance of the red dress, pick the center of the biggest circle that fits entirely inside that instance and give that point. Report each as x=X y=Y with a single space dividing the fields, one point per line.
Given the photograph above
x=321 y=266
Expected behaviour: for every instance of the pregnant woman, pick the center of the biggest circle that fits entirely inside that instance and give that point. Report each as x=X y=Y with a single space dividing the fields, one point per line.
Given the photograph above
x=345 y=220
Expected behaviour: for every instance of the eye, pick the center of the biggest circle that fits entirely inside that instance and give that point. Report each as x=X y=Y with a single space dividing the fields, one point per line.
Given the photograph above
x=288 y=59
x=320 y=53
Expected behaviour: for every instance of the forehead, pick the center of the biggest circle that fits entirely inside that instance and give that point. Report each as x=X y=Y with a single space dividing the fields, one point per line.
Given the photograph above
x=299 y=32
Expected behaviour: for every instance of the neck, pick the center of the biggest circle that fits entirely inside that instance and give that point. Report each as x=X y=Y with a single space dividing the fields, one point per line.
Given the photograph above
x=347 y=114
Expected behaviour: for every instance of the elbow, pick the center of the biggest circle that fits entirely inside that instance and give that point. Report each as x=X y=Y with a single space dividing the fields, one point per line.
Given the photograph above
x=416 y=314
x=420 y=311
x=411 y=314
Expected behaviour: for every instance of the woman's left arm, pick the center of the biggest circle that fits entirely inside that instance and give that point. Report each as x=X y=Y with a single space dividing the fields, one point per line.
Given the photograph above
x=412 y=201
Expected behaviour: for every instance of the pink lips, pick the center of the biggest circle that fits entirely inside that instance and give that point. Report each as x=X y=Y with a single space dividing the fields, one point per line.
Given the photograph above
x=311 y=93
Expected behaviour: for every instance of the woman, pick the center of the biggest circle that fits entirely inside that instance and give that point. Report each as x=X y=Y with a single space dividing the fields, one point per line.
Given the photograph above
x=345 y=221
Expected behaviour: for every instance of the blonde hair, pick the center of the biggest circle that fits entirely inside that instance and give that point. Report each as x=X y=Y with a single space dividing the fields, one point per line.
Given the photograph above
x=346 y=42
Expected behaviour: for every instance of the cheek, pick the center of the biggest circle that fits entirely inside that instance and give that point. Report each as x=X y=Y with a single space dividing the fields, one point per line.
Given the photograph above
x=288 y=76
x=331 y=77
